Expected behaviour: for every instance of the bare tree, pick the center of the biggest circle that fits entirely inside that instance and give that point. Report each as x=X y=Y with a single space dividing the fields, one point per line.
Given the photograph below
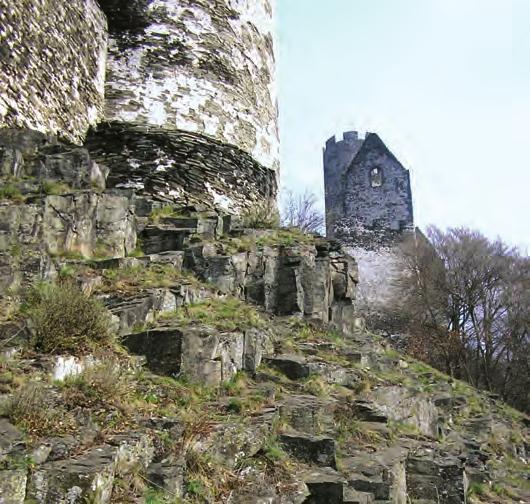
x=467 y=302
x=300 y=211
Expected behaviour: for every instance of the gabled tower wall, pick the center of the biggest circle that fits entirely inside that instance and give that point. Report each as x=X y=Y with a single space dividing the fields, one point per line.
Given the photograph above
x=369 y=210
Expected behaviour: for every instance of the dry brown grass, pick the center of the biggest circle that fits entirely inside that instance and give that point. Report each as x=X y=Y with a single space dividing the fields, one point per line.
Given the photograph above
x=35 y=410
x=67 y=321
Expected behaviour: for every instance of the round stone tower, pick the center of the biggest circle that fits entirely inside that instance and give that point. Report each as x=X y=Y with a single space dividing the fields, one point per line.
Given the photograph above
x=190 y=103
x=200 y=66
x=201 y=73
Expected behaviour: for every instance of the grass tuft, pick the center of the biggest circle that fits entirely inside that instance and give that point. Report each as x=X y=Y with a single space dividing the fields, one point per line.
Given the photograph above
x=262 y=215
x=227 y=314
x=11 y=192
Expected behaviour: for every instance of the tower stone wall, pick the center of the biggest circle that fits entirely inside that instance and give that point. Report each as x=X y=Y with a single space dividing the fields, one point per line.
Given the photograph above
x=52 y=66
x=369 y=210
x=202 y=66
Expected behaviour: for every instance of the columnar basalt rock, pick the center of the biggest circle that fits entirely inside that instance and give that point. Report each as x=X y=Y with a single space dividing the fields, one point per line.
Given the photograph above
x=369 y=210
x=52 y=62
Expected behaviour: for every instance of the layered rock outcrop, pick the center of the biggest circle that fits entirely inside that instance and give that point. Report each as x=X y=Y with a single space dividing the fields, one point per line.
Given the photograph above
x=245 y=374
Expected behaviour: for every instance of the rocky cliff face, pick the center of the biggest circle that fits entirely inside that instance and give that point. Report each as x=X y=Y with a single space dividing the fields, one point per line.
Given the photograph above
x=155 y=348
x=240 y=372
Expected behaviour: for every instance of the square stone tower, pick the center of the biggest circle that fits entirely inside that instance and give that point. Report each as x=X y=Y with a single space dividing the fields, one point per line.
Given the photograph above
x=369 y=210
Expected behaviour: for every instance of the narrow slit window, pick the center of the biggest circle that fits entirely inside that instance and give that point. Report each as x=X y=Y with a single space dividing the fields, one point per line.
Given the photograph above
x=375 y=177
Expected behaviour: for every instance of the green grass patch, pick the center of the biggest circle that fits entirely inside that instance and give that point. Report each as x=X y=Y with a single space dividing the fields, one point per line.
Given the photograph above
x=33 y=410
x=137 y=252
x=102 y=251
x=226 y=314
x=54 y=187
x=352 y=430
x=234 y=245
x=475 y=488
x=237 y=385
x=317 y=386
x=11 y=192
x=286 y=238
x=71 y=255
x=132 y=278
x=165 y=211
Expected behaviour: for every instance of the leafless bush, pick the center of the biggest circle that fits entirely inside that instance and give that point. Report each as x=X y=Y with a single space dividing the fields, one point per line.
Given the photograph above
x=300 y=211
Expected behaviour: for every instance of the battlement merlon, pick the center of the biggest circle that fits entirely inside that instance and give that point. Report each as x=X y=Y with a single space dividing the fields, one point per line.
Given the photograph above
x=349 y=136
x=339 y=154
x=350 y=140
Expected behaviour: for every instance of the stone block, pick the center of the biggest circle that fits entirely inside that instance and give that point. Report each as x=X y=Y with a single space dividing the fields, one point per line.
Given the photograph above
x=324 y=485
x=293 y=366
x=318 y=450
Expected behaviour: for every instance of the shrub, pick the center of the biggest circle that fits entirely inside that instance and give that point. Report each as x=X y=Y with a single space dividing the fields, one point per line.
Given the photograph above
x=235 y=405
x=263 y=215
x=66 y=320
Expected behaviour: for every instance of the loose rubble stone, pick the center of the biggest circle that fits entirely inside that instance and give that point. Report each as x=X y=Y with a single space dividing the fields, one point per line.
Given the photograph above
x=13 y=486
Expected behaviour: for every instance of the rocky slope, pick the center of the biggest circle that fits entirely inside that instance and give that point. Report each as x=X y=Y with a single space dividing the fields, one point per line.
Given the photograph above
x=240 y=371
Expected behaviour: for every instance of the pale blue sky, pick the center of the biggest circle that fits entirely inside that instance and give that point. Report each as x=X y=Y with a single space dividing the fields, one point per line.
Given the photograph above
x=445 y=83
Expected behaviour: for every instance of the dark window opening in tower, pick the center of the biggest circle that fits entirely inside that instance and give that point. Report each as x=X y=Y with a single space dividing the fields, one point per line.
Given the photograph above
x=375 y=177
